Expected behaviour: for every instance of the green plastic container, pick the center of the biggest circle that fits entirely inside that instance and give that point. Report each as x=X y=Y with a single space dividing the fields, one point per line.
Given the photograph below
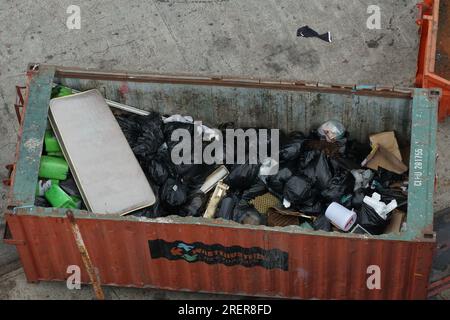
x=56 y=154
x=58 y=198
x=53 y=168
x=50 y=142
x=61 y=91
x=76 y=201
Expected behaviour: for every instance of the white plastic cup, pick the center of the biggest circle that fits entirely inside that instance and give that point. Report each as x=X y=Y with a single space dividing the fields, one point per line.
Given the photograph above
x=340 y=216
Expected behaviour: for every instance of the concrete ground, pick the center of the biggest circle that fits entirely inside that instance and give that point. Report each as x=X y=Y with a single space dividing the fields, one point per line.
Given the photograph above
x=211 y=37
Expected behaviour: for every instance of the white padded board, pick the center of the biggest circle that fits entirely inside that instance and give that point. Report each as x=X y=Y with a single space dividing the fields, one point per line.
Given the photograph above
x=105 y=169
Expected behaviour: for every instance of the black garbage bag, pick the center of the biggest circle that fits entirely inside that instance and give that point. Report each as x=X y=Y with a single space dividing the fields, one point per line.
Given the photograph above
x=307 y=157
x=144 y=133
x=312 y=206
x=130 y=129
x=157 y=170
x=245 y=213
x=170 y=127
x=69 y=186
x=226 y=207
x=195 y=205
x=276 y=182
x=317 y=169
x=40 y=201
x=399 y=196
x=155 y=211
x=370 y=220
x=172 y=195
x=242 y=176
x=292 y=148
x=322 y=223
x=357 y=198
x=385 y=177
x=194 y=175
x=338 y=186
x=297 y=190
x=257 y=189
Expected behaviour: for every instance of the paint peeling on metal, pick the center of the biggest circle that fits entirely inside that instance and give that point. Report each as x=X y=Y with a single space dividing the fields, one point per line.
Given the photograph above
x=32 y=144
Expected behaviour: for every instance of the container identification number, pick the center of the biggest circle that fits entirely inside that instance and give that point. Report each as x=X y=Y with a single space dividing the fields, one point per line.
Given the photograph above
x=418 y=167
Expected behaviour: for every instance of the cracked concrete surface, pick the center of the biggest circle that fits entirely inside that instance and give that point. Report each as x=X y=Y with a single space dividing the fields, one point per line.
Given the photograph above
x=211 y=37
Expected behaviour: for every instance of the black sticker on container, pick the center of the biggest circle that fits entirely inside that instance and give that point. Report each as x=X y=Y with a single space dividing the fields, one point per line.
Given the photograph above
x=219 y=254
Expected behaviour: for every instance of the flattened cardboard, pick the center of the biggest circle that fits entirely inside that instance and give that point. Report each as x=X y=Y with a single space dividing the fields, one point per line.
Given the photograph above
x=380 y=157
x=387 y=141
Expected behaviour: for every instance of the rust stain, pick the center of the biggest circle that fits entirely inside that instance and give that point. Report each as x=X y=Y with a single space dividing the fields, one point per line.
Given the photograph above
x=93 y=274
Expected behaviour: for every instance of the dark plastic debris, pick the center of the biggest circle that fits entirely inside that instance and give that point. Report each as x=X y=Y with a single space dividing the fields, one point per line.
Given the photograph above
x=245 y=213
x=242 y=176
x=173 y=195
x=307 y=32
x=370 y=220
x=297 y=190
x=322 y=223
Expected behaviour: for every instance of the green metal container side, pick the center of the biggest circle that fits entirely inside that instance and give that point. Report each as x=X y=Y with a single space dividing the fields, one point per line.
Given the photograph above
x=299 y=110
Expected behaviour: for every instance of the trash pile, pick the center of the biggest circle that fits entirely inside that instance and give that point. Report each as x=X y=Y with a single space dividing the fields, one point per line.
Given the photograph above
x=321 y=180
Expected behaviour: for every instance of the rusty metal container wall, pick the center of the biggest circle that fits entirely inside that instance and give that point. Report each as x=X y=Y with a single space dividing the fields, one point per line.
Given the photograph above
x=318 y=264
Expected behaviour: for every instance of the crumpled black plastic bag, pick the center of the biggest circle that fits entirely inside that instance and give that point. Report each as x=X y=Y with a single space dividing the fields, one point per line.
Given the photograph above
x=130 y=129
x=297 y=190
x=357 y=198
x=318 y=169
x=143 y=133
x=312 y=206
x=385 y=177
x=276 y=182
x=170 y=127
x=370 y=220
x=322 y=223
x=69 y=186
x=337 y=187
x=157 y=170
x=173 y=194
x=242 y=176
x=226 y=207
x=292 y=148
x=194 y=175
x=195 y=205
x=257 y=189
x=245 y=213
